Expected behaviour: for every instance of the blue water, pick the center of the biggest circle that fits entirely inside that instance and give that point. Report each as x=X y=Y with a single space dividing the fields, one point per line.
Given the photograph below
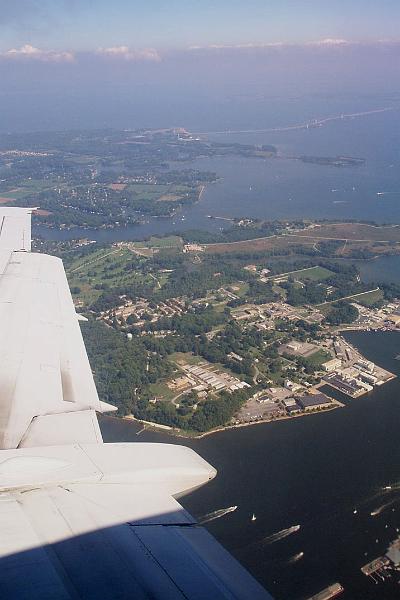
x=314 y=471
x=384 y=269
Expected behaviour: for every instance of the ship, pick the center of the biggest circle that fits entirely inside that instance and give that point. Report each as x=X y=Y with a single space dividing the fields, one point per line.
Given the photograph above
x=331 y=591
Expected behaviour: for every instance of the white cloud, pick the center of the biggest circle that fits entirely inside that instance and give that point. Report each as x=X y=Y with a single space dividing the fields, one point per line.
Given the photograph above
x=238 y=46
x=331 y=42
x=31 y=53
x=126 y=53
x=322 y=43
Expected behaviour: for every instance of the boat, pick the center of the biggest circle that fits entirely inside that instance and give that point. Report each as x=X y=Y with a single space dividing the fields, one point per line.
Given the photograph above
x=253 y=517
x=330 y=592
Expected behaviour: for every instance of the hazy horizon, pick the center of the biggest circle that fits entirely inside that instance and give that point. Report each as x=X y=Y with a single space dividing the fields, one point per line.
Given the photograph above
x=67 y=64
x=201 y=88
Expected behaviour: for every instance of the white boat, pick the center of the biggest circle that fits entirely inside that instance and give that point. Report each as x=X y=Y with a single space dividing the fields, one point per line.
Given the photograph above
x=253 y=518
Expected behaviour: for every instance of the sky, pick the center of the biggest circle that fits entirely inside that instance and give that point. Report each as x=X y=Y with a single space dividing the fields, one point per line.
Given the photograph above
x=69 y=63
x=77 y=25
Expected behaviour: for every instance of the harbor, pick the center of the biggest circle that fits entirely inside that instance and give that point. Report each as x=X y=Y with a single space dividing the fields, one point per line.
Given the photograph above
x=327 y=474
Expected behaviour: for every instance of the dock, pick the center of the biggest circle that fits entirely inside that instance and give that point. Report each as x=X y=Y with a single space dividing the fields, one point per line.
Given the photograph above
x=375 y=565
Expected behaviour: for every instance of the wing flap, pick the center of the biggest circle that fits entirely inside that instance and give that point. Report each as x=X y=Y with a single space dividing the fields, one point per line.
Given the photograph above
x=50 y=430
x=84 y=549
x=44 y=368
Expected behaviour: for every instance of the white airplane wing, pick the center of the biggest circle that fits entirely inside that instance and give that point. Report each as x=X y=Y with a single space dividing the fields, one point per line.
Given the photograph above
x=80 y=519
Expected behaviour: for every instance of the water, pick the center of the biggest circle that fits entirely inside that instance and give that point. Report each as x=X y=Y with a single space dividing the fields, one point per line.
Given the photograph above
x=384 y=269
x=325 y=472
x=288 y=189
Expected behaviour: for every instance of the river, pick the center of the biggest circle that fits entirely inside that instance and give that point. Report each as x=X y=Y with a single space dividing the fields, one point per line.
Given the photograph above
x=313 y=472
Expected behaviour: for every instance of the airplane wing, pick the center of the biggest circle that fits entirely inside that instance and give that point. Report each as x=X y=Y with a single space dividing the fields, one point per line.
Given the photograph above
x=80 y=519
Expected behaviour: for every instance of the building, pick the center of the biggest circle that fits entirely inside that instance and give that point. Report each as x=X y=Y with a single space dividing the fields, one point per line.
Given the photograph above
x=348 y=385
x=292 y=386
x=395 y=319
x=193 y=248
x=235 y=356
x=291 y=406
x=314 y=401
x=293 y=346
x=365 y=365
x=332 y=365
x=368 y=378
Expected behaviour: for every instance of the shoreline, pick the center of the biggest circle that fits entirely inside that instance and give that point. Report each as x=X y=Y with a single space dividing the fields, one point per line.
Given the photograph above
x=179 y=433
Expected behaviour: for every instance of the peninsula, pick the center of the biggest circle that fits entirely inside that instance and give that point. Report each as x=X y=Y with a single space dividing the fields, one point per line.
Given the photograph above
x=197 y=337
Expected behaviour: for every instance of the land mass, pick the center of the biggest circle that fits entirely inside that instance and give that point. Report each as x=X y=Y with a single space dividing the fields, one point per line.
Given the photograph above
x=197 y=337
x=108 y=179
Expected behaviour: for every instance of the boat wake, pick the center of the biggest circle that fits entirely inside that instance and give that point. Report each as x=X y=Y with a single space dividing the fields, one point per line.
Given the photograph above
x=394 y=487
x=380 y=509
x=216 y=514
x=295 y=558
x=280 y=535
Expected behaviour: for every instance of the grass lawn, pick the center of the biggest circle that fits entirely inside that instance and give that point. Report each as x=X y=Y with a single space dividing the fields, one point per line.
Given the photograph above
x=162 y=391
x=182 y=358
x=366 y=299
x=170 y=241
x=104 y=267
x=318 y=358
x=315 y=274
x=242 y=290
x=325 y=309
x=369 y=298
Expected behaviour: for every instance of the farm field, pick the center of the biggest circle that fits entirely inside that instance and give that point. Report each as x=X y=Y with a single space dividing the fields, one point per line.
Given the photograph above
x=344 y=240
x=353 y=231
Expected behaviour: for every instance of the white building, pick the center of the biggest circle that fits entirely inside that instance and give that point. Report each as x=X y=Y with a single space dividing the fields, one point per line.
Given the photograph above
x=332 y=365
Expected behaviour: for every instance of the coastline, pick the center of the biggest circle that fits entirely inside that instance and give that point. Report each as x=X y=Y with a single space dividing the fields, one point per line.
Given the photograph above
x=180 y=433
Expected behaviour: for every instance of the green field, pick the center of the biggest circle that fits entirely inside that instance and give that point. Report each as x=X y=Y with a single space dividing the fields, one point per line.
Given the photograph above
x=315 y=274
x=147 y=191
x=318 y=358
x=170 y=241
x=243 y=288
x=188 y=358
x=158 y=192
x=369 y=298
x=29 y=187
x=365 y=299
x=103 y=267
x=162 y=391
